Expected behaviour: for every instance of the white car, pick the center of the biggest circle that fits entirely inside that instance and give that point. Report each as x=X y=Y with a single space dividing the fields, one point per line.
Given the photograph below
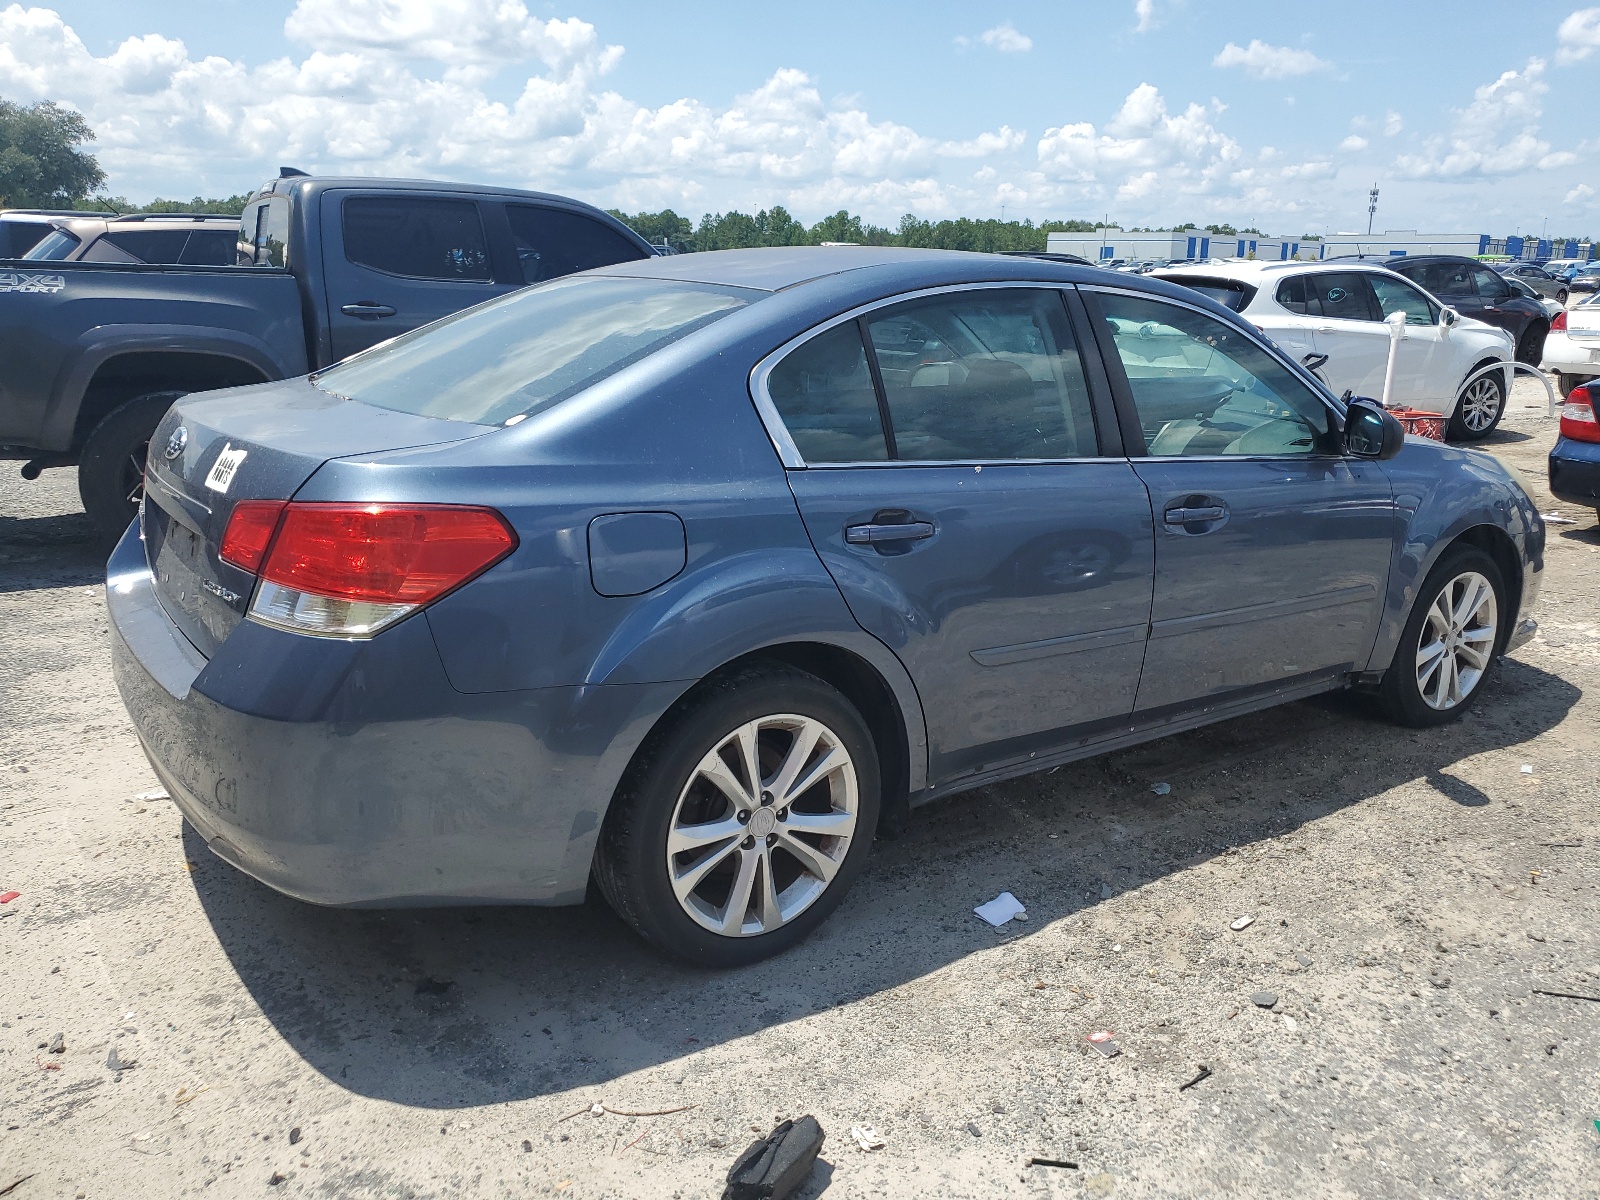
x=1572 y=350
x=1337 y=308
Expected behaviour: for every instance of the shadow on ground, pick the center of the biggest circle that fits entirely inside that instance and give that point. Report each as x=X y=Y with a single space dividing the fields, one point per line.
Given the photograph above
x=59 y=550
x=462 y=1007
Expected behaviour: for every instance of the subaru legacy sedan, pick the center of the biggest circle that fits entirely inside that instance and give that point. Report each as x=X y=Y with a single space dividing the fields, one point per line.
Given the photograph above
x=692 y=574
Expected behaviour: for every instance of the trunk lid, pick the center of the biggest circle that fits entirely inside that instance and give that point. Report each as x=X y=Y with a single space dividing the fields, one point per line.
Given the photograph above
x=214 y=449
x=1583 y=322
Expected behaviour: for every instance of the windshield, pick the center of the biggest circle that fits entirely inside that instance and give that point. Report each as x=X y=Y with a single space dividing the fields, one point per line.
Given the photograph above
x=56 y=244
x=531 y=349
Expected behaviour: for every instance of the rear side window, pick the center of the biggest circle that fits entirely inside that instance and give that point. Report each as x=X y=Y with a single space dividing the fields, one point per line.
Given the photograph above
x=417 y=237
x=57 y=244
x=530 y=349
x=823 y=391
x=1292 y=295
x=552 y=242
x=1344 y=297
x=148 y=245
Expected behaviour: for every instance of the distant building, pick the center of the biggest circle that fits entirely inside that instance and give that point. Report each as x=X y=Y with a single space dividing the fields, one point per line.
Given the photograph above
x=1105 y=244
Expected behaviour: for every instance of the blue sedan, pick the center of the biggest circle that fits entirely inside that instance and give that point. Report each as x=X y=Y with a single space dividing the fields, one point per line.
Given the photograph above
x=688 y=575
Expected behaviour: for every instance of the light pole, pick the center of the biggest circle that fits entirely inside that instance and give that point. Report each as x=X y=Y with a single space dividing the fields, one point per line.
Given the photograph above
x=1372 y=207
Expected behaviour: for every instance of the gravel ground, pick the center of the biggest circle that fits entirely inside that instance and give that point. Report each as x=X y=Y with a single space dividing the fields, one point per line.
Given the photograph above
x=1409 y=892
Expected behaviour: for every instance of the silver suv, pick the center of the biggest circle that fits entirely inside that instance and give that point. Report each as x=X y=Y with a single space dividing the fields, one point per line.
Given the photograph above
x=197 y=239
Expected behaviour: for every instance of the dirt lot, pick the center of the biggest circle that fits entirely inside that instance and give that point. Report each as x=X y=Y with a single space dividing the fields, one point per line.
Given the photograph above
x=1409 y=890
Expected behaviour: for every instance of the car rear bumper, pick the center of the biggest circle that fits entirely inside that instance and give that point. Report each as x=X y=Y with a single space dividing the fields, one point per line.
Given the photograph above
x=1569 y=356
x=1575 y=472
x=351 y=773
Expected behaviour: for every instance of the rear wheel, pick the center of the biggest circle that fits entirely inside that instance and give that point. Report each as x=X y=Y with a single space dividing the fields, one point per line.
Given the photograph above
x=744 y=820
x=1449 y=642
x=1565 y=383
x=1478 y=412
x=111 y=467
x=1530 y=346
x=1561 y=296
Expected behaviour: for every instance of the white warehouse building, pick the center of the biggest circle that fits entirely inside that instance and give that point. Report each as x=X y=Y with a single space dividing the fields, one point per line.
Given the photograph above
x=1105 y=244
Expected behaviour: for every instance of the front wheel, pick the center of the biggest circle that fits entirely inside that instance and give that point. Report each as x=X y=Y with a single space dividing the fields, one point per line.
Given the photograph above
x=1530 y=347
x=1449 y=642
x=1478 y=412
x=111 y=466
x=743 y=820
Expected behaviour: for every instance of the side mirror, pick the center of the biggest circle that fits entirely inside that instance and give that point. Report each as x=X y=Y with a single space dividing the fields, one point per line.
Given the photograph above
x=1371 y=431
x=1449 y=317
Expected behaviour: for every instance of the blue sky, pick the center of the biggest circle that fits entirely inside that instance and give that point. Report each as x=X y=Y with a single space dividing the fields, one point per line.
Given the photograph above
x=1154 y=111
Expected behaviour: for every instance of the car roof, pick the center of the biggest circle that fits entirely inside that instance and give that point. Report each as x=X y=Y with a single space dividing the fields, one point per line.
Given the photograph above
x=1255 y=271
x=775 y=268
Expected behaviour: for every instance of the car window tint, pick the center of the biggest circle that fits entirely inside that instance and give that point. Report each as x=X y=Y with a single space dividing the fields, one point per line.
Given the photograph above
x=1396 y=295
x=529 y=349
x=56 y=244
x=416 y=237
x=1292 y=294
x=1203 y=388
x=1490 y=284
x=1341 y=296
x=150 y=245
x=551 y=242
x=209 y=248
x=1445 y=280
x=823 y=391
x=104 y=250
x=991 y=373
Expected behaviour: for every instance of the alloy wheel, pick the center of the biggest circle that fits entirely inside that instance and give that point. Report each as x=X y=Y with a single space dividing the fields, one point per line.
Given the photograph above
x=763 y=825
x=1480 y=405
x=132 y=481
x=1457 y=641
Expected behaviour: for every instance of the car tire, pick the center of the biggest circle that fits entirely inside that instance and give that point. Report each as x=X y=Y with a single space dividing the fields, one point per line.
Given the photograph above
x=111 y=465
x=1478 y=410
x=722 y=914
x=1530 y=346
x=1461 y=609
x=1561 y=296
x=1565 y=383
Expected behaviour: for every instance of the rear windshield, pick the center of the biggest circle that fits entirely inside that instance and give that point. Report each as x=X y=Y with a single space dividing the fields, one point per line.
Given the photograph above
x=1230 y=293
x=531 y=349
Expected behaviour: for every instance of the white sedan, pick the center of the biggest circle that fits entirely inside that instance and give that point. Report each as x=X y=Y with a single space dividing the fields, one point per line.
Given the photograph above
x=1572 y=350
x=1338 y=309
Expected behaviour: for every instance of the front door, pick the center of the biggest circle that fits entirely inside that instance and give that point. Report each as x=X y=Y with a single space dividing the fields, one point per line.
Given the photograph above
x=1423 y=373
x=954 y=487
x=1272 y=549
x=393 y=262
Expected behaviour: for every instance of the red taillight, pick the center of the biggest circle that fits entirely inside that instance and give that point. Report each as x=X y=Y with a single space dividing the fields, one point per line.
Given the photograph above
x=1577 y=417
x=1558 y=323
x=249 y=532
x=385 y=553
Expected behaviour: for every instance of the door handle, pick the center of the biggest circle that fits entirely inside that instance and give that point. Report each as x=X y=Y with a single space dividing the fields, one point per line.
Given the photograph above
x=368 y=308
x=875 y=535
x=1325 y=329
x=1182 y=518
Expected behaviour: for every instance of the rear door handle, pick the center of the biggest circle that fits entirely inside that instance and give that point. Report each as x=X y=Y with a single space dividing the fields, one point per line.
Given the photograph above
x=367 y=308
x=874 y=535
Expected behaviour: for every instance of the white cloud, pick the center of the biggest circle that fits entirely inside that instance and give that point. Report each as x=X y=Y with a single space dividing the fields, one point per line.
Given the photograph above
x=1145 y=11
x=1497 y=134
x=1392 y=124
x=1268 y=62
x=1578 y=194
x=1353 y=143
x=1579 y=36
x=1006 y=39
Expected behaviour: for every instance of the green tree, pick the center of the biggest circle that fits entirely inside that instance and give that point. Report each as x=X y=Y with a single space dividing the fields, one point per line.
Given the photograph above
x=663 y=228
x=40 y=163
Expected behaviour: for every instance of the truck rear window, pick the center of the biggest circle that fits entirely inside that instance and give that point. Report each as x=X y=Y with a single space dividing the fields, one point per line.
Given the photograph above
x=531 y=349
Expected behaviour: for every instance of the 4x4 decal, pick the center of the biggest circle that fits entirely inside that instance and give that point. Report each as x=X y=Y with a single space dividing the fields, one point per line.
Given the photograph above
x=31 y=281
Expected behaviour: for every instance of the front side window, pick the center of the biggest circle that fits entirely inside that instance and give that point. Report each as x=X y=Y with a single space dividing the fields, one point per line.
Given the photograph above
x=988 y=374
x=1490 y=284
x=530 y=349
x=1448 y=281
x=1396 y=295
x=417 y=237
x=552 y=242
x=1203 y=388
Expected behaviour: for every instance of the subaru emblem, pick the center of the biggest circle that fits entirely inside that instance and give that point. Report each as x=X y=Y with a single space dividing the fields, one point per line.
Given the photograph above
x=176 y=443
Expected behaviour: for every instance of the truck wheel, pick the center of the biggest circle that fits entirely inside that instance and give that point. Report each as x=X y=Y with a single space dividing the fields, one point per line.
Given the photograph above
x=111 y=467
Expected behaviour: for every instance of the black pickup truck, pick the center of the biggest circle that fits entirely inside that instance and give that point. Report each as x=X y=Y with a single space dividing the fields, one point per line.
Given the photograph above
x=92 y=354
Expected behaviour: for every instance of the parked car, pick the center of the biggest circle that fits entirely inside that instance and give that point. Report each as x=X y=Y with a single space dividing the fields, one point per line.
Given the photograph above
x=1049 y=256
x=93 y=353
x=1564 y=268
x=686 y=574
x=1337 y=309
x=151 y=238
x=1572 y=350
x=1586 y=279
x=21 y=228
x=1575 y=458
x=1482 y=293
x=1538 y=279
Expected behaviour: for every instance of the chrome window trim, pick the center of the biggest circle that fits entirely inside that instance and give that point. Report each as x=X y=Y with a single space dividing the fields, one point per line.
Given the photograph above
x=1318 y=388
x=778 y=432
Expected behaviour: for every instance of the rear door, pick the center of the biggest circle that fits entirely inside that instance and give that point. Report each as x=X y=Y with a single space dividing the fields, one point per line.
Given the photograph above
x=945 y=458
x=1349 y=330
x=394 y=261
x=1272 y=548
